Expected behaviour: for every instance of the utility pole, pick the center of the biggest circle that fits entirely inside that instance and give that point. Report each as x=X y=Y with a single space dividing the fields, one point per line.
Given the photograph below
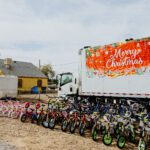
x=39 y=63
x=39 y=69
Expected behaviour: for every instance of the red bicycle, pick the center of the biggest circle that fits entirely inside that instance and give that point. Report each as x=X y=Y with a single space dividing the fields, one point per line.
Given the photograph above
x=55 y=118
x=28 y=113
x=37 y=116
x=65 y=120
x=74 y=120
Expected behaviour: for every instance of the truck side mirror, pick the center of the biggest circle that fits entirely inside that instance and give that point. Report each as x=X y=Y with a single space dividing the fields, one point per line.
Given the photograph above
x=60 y=89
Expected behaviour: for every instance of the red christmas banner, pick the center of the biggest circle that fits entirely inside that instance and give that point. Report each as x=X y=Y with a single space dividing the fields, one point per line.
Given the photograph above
x=119 y=59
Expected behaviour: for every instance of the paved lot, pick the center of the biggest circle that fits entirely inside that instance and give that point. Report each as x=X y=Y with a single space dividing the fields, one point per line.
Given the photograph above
x=6 y=146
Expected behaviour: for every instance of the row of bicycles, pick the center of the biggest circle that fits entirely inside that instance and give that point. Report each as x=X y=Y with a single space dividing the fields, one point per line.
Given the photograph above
x=121 y=121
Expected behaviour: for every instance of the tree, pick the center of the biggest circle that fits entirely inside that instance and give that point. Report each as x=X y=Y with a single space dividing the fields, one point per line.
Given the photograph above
x=48 y=70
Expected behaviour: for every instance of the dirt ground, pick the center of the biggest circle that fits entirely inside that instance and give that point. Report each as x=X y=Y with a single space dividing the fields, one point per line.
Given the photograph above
x=15 y=135
x=6 y=146
x=37 y=97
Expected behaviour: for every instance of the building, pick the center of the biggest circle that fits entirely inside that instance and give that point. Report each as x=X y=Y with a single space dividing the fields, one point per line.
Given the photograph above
x=29 y=76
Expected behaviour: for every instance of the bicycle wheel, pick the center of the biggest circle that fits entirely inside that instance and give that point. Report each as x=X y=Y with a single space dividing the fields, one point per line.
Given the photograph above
x=23 y=118
x=118 y=130
x=132 y=136
x=39 y=119
x=72 y=127
x=64 y=125
x=13 y=115
x=82 y=129
x=45 y=122
x=94 y=134
x=142 y=145
x=121 y=142
x=103 y=130
x=33 y=118
x=107 y=139
x=52 y=123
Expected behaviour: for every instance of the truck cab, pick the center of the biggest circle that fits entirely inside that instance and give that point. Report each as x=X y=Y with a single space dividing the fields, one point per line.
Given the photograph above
x=67 y=84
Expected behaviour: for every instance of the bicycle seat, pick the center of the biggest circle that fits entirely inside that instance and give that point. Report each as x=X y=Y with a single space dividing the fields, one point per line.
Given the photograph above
x=27 y=104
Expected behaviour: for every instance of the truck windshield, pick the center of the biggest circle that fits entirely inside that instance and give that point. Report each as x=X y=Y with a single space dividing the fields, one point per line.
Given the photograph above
x=65 y=78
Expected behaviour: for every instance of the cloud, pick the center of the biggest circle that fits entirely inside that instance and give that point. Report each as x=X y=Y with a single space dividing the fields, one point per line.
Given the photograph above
x=54 y=31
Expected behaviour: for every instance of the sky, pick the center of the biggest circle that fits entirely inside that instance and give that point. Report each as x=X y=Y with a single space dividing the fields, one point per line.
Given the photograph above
x=53 y=31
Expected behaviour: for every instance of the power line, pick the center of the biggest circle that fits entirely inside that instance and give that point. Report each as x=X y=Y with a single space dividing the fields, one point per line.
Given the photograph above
x=70 y=63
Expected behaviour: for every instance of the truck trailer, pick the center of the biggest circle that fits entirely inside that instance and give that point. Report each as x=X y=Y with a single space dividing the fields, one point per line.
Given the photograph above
x=118 y=70
x=8 y=86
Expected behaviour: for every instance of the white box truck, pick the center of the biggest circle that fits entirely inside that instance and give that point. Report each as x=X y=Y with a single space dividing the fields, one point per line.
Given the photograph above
x=8 y=86
x=119 y=70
